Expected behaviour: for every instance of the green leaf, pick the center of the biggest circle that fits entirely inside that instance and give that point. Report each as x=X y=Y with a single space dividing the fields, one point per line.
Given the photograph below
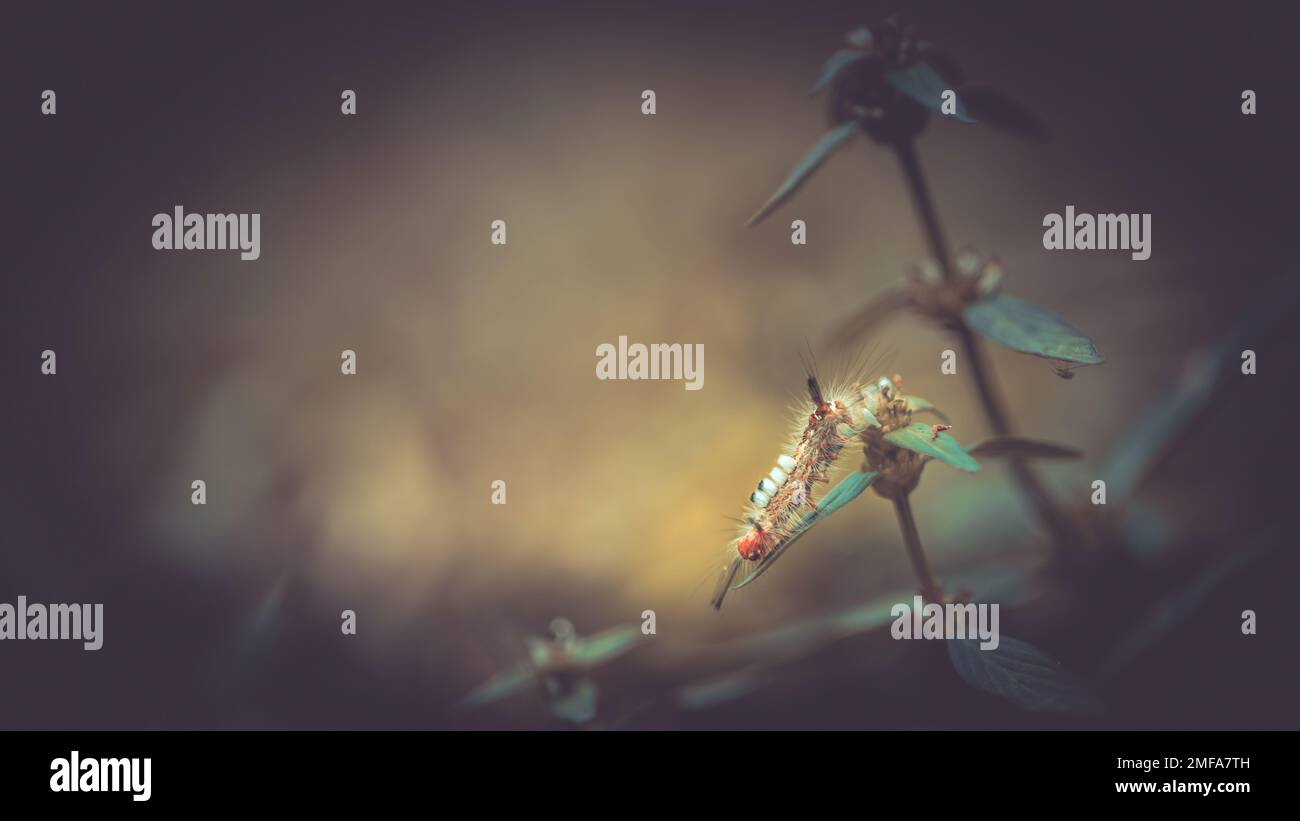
x=817 y=155
x=1159 y=428
x=1000 y=111
x=1030 y=329
x=847 y=490
x=925 y=85
x=916 y=437
x=869 y=419
x=602 y=647
x=502 y=685
x=719 y=690
x=1174 y=609
x=1020 y=673
x=838 y=61
x=1018 y=447
x=919 y=405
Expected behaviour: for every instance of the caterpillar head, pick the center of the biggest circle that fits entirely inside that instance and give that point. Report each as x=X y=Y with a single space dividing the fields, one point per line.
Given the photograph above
x=753 y=545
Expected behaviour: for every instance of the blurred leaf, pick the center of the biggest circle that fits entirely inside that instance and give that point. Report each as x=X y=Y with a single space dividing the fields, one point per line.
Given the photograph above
x=1017 y=447
x=724 y=583
x=1020 y=673
x=868 y=317
x=503 y=685
x=719 y=690
x=788 y=643
x=1000 y=111
x=1174 y=609
x=550 y=655
x=578 y=705
x=1030 y=329
x=838 y=61
x=916 y=437
x=784 y=645
x=1157 y=429
x=801 y=637
x=255 y=640
x=605 y=646
x=919 y=405
x=925 y=85
x=943 y=63
x=817 y=155
x=847 y=490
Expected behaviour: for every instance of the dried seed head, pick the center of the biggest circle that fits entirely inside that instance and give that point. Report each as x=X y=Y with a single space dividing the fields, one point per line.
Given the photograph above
x=945 y=299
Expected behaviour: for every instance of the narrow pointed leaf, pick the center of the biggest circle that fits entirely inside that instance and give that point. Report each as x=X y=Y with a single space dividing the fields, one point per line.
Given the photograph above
x=605 y=646
x=846 y=491
x=869 y=420
x=724 y=583
x=1175 y=609
x=1017 y=447
x=503 y=685
x=1002 y=112
x=719 y=690
x=916 y=437
x=1030 y=329
x=925 y=85
x=919 y=405
x=838 y=61
x=1159 y=428
x=866 y=319
x=798 y=639
x=817 y=155
x=1020 y=673
x=943 y=63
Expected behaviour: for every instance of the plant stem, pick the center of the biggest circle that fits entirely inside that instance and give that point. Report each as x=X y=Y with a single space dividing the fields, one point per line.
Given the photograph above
x=1026 y=478
x=907 y=523
x=906 y=152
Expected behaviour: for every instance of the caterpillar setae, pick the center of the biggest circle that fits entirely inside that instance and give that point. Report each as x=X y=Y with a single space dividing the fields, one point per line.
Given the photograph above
x=783 y=497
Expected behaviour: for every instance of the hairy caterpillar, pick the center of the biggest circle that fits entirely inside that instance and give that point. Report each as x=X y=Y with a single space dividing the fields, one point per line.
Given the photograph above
x=785 y=495
x=782 y=507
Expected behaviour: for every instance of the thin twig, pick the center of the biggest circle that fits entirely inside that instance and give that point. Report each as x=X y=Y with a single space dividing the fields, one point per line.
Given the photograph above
x=906 y=152
x=907 y=523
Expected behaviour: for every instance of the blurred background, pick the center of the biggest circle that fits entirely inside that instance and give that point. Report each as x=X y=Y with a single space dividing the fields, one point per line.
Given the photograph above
x=476 y=362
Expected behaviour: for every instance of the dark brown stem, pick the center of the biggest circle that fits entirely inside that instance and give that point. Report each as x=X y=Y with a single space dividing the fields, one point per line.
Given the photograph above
x=906 y=152
x=907 y=523
x=1026 y=478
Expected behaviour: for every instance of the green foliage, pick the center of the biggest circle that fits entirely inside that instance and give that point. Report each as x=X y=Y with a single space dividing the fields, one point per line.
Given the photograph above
x=548 y=656
x=1018 y=447
x=1030 y=329
x=916 y=437
x=919 y=405
x=1022 y=674
x=804 y=169
x=503 y=685
x=847 y=490
x=925 y=85
x=1174 y=609
x=838 y=61
x=607 y=645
